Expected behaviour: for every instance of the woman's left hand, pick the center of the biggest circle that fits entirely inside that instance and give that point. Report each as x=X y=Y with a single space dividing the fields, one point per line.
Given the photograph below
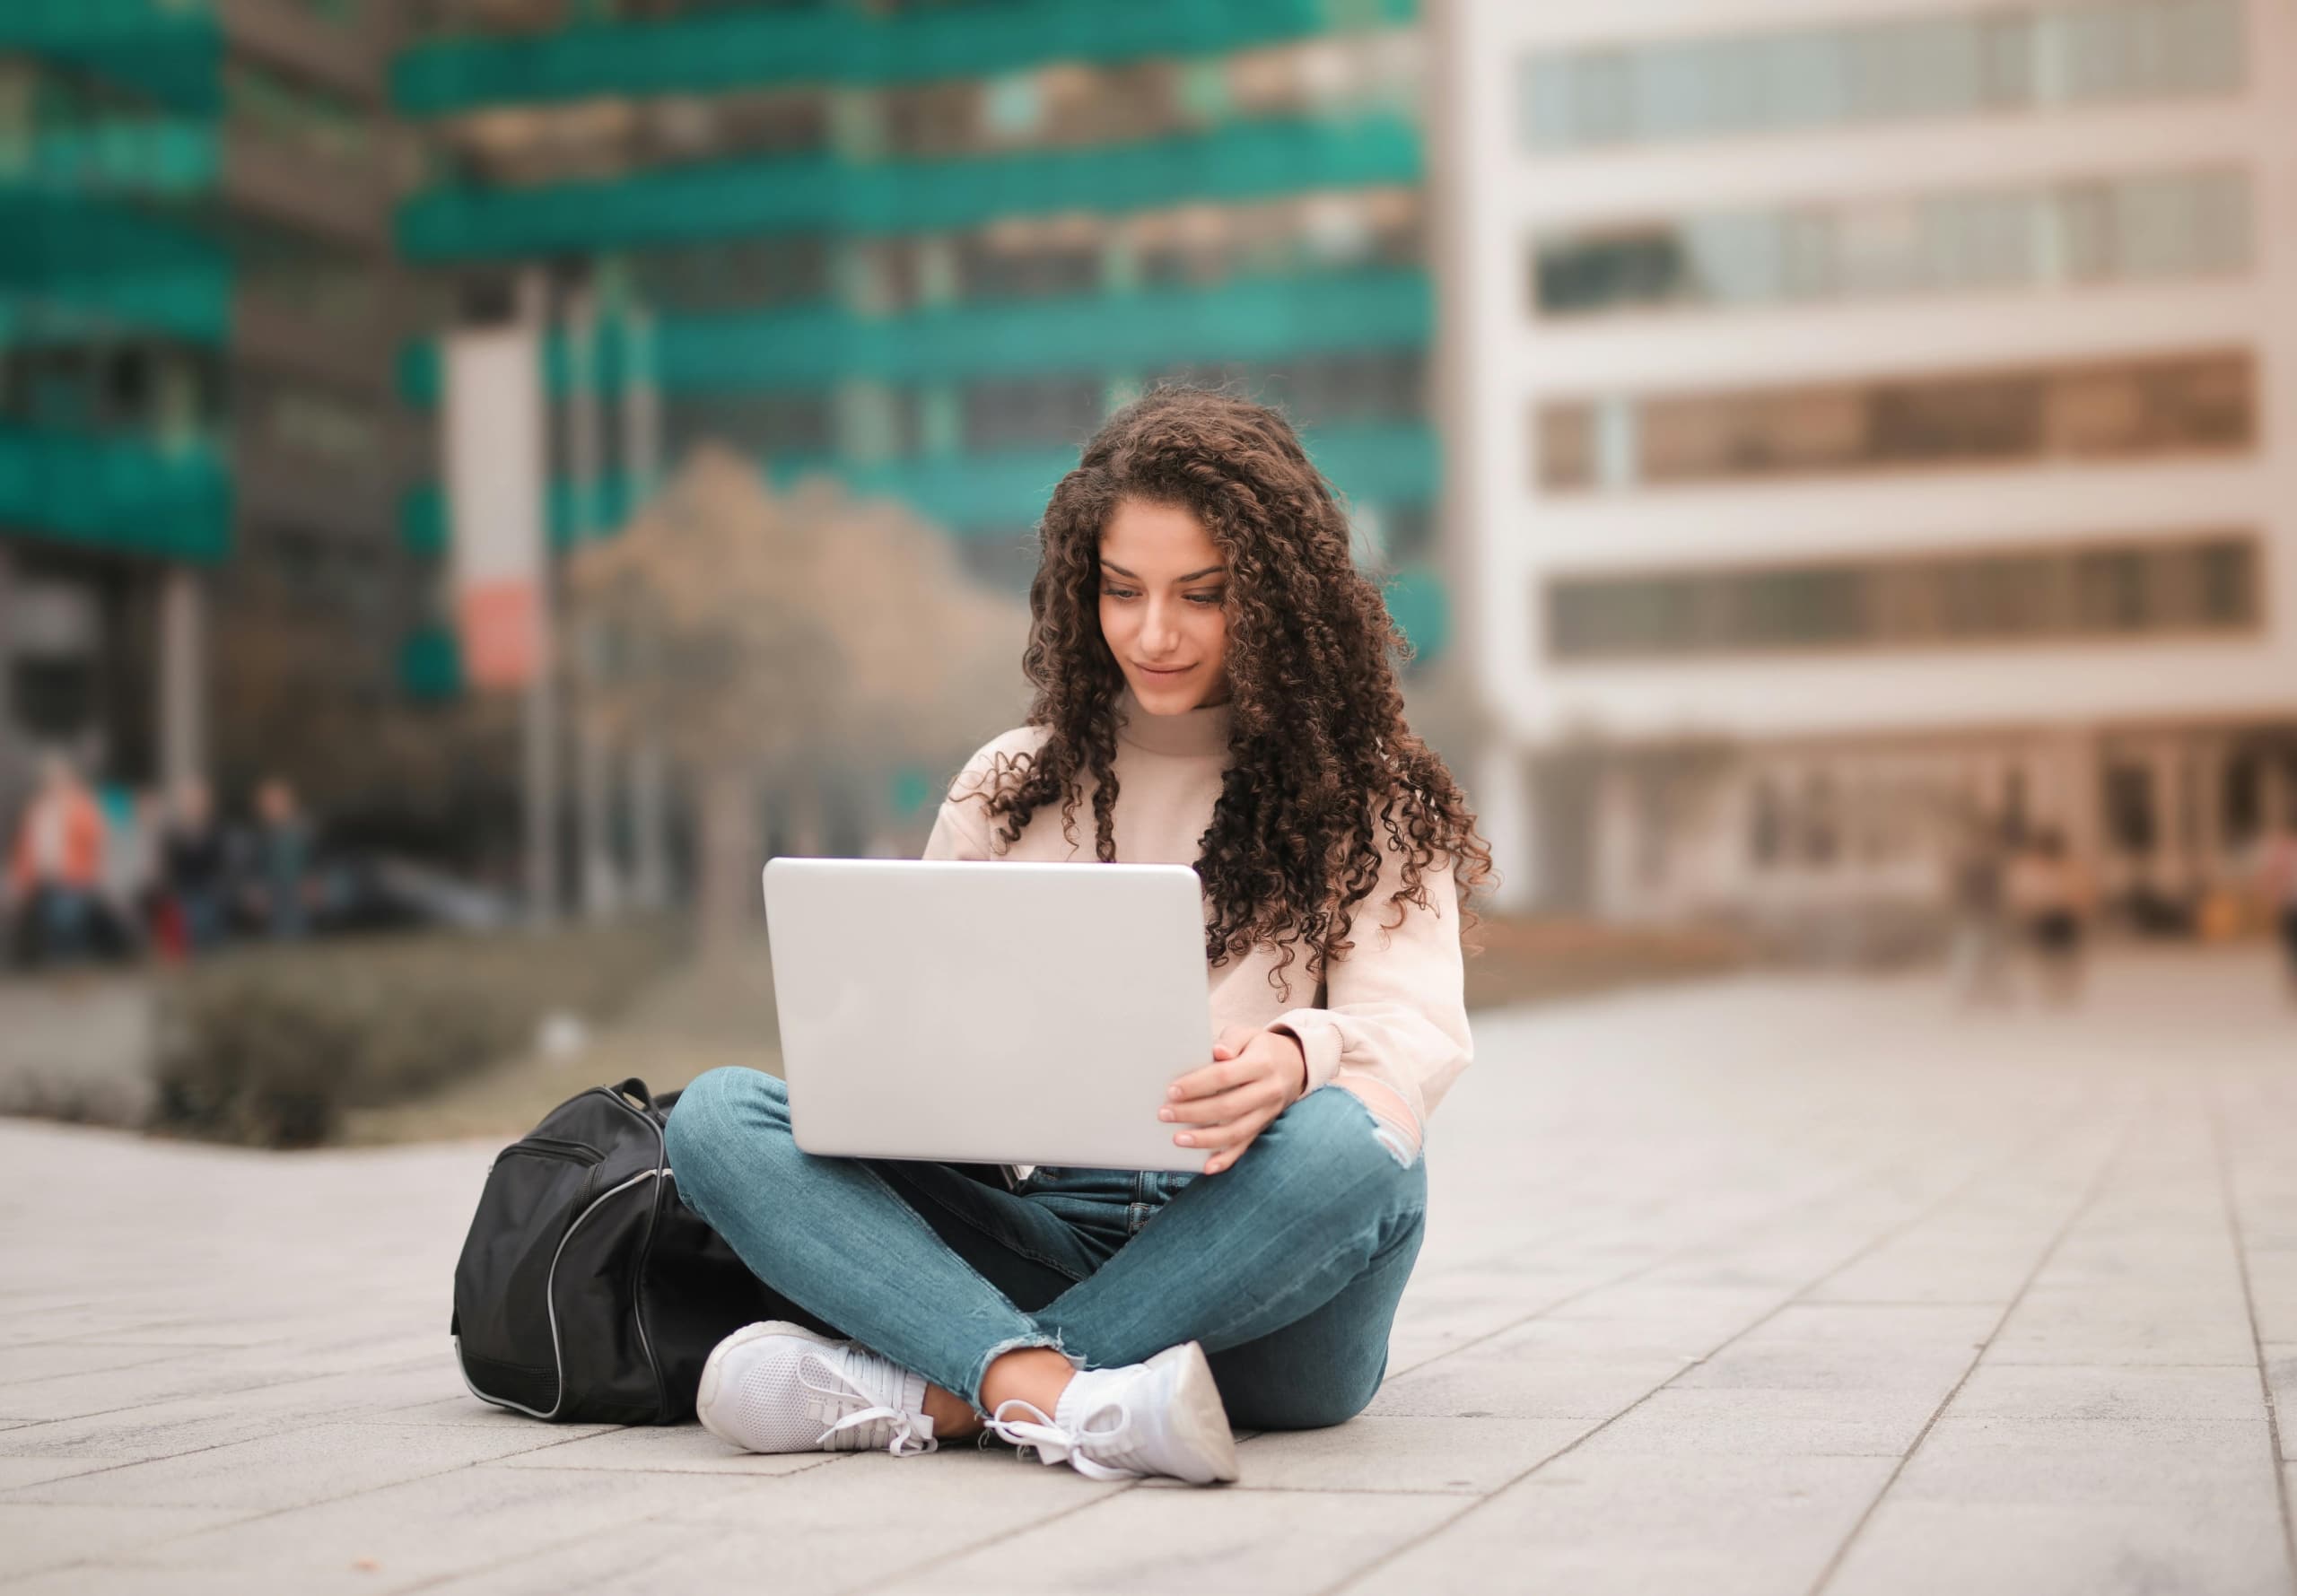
x=1254 y=1076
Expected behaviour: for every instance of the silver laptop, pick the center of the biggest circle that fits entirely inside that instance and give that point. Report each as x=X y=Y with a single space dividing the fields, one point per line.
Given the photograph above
x=998 y=1012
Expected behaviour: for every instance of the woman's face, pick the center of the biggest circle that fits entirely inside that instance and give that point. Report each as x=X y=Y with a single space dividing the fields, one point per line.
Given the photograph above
x=1162 y=587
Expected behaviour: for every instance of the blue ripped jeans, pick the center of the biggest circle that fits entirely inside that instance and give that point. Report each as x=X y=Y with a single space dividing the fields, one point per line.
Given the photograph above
x=1287 y=1267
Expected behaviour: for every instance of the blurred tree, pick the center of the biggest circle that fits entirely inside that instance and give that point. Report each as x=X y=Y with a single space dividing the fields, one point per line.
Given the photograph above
x=793 y=643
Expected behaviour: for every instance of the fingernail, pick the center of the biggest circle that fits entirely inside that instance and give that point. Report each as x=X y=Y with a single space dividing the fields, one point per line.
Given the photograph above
x=1174 y=1092
x=1185 y=1140
x=1164 y=1113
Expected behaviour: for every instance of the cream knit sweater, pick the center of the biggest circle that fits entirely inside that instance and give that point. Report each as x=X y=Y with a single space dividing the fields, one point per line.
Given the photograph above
x=1391 y=1011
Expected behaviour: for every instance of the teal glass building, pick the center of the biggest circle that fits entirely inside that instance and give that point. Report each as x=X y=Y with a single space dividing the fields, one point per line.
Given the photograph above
x=926 y=247
x=197 y=407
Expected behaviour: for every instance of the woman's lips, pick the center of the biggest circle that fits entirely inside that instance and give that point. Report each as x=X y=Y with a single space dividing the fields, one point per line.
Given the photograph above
x=1173 y=670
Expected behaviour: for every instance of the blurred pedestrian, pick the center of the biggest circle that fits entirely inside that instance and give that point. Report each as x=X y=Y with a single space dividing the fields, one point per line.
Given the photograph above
x=2052 y=896
x=1981 y=924
x=56 y=869
x=2278 y=876
x=128 y=853
x=280 y=884
x=194 y=862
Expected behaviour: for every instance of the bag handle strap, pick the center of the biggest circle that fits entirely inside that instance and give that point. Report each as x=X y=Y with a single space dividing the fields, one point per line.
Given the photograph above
x=636 y=1088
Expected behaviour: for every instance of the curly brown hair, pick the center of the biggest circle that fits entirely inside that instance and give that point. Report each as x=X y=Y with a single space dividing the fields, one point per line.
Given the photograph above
x=1323 y=772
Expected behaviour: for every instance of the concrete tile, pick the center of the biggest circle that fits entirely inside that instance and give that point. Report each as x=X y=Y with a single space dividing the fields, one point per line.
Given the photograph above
x=1707 y=1314
x=45 y=1360
x=121 y=1389
x=1881 y=1324
x=2097 y=1462
x=862 y=1518
x=300 y=1466
x=1473 y=1385
x=1205 y=1541
x=194 y=1423
x=106 y=1578
x=34 y=1537
x=22 y=1471
x=467 y=1410
x=674 y=1449
x=2129 y=1340
x=2090 y=1390
x=1763 y=1364
x=2024 y=1548
x=409 y=1535
x=1635 y=1522
x=1754 y=1422
x=1388 y=1452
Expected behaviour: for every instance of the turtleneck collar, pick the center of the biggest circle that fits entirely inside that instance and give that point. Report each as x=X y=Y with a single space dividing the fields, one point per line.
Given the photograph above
x=1201 y=733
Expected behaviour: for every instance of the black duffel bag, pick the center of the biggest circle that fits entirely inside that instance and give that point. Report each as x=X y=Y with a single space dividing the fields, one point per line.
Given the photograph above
x=585 y=1292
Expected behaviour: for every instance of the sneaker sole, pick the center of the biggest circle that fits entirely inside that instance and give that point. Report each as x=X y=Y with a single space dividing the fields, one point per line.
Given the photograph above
x=1199 y=1416
x=713 y=1367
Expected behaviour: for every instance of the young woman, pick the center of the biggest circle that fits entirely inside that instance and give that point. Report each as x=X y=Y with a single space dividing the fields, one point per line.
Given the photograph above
x=1214 y=686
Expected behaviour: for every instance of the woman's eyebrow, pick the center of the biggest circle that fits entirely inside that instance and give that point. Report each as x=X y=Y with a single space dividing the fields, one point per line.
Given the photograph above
x=1192 y=576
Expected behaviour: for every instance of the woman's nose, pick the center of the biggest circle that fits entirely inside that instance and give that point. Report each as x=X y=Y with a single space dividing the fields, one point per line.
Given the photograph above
x=1157 y=632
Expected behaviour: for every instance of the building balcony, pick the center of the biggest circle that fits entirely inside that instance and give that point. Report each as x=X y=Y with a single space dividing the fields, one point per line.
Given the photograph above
x=128 y=496
x=1393 y=463
x=819 y=193
x=1258 y=318
x=837 y=44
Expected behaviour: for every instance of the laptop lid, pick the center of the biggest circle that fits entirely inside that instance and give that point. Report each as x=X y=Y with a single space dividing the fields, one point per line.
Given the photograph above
x=995 y=1012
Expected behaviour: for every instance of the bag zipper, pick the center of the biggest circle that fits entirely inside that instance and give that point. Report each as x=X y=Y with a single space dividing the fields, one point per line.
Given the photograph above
x=550 y=1146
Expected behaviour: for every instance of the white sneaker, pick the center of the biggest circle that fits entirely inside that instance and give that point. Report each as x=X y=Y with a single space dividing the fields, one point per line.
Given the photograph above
x=774 y=1386
x=1163 y=1416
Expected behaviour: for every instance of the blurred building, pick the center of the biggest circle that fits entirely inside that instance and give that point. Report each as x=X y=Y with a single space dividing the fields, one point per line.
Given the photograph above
x=926 y=247
x=1867 y=421
x=198 y=506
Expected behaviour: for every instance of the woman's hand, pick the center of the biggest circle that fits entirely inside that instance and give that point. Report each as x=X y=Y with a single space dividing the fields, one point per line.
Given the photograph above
x=1254 y=1076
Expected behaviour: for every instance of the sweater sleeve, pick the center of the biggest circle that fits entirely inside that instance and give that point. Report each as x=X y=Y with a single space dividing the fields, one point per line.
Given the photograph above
x=1395 y=1008
x=963 y=830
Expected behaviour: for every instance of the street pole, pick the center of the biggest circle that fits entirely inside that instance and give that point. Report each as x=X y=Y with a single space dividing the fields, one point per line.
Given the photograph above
x=585 y=447
x=542 y=687
x=641 y=456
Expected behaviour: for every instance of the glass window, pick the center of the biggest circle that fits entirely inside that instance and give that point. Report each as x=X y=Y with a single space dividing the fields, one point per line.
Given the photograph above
x=764 y=424
x=1025 y=260
x=735 y=274
x=1890 y=69
x=2120 y=410
x=2165 y=587
x=319 y=425
x=1031 y=411
x=2158 y=225
x=295 y=112
x=517 y=146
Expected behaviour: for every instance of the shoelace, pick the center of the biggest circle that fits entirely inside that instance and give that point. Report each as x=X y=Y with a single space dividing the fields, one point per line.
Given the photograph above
x=905 y=1432
x=1053 y=1444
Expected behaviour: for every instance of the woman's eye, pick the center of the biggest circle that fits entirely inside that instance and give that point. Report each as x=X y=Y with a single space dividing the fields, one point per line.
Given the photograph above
x=1206 y=600
x=1118 y=593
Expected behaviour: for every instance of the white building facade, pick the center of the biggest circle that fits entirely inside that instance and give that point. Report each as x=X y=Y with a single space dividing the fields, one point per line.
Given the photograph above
x=1866 y=416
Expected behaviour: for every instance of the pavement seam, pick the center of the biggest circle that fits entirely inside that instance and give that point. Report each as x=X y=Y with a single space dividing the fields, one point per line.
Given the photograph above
x=1544 y=1310
x=2082 y=1207
x=619 y=1526
x=2257 y=1337
x=2025 y=1151
x=271 y=1512
x=194 y=1396
x=968 y=1547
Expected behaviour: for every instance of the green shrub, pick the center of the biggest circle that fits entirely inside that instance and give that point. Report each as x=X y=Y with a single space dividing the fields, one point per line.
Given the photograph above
x=268 y=1046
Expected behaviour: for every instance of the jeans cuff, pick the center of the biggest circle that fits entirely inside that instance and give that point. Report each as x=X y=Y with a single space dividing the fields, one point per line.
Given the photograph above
x=1014 y=1344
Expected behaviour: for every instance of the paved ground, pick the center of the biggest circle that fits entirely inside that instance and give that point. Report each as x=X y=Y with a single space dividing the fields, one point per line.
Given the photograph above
x=1763 y=1286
